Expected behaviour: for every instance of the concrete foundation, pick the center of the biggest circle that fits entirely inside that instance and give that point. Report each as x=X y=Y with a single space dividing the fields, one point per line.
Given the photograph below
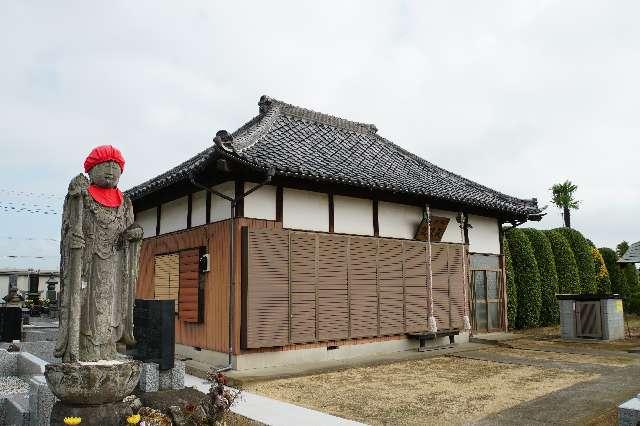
x=279 y=358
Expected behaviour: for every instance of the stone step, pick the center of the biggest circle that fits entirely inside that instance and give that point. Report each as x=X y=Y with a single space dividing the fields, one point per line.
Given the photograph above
x=17 y=410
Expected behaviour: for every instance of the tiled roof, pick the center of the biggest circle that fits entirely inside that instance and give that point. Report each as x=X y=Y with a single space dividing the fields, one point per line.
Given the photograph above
x=632 y=255
x=302 y=143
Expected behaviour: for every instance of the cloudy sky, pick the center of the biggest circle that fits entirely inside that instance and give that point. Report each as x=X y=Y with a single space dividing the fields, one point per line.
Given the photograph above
x=516 y=95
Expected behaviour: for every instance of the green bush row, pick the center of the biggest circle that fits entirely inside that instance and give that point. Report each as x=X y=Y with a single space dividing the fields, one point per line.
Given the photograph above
x=549 y=312
x=582 y=252
x=512 y=292
x=527 y=279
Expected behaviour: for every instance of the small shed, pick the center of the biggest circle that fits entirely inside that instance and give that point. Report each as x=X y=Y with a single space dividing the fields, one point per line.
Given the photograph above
x=591 y=316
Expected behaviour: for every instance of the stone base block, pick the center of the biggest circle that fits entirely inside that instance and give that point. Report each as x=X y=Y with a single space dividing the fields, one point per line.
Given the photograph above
x=114 y=414
x=173 y=378
x=149 y=377
x=629 y=412
x=41 y=401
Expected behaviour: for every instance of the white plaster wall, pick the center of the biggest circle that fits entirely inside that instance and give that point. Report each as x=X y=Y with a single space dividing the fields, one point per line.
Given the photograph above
x=147 y=219
x=484 y=236
x=352 y=215
x=260 y=204
x=398 y=220
x=198 y=208
x=452 y=233
x=221 y=208
x=305 y=210
x=173 y=216
x=23 y=283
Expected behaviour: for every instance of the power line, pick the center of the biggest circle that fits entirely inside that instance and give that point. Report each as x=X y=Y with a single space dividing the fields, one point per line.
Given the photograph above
x=2 y=237
x=17 y=203
x=29 y=194
x=20 y=256
x=14 y=209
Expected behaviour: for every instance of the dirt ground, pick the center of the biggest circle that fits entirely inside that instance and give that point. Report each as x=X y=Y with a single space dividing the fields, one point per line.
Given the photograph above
x=458 y=389
x=442 y=389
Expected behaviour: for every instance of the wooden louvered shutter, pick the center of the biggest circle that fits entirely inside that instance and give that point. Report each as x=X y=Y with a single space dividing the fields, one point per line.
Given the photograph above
x=266 y=287
x=303 y=287
x=189 y=283
x=415 y=286
x=333 y=306
x=439 y=263
x=456 y=285
x=166 y=277
x=391 y=287
x=363 y=287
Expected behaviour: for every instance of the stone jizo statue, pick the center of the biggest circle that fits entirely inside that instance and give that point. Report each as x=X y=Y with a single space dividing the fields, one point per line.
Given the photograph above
x=99 y=262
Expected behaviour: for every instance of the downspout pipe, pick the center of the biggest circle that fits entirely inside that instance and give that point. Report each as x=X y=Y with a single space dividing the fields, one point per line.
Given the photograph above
x=233 y=202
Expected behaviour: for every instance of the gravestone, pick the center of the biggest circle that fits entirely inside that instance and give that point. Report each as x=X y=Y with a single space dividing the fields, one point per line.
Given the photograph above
x=154 y=331
x=10 y=323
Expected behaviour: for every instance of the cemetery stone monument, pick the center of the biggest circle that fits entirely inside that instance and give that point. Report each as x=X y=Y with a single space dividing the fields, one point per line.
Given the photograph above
x=12 y=297
x=99 y=266
x=10 y=323
x=154 y=326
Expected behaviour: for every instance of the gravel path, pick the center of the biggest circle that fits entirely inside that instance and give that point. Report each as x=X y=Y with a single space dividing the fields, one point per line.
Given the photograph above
x=10 y=385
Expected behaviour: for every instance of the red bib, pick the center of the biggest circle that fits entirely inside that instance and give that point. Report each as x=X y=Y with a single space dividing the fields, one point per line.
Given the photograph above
x=110 y=197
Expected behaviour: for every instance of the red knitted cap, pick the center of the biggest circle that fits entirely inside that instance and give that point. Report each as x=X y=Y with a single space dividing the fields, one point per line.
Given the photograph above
x=102 y=154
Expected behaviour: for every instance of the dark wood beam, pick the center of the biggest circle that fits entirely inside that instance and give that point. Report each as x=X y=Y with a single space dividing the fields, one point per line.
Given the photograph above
x=331 y=214
x=376 y=223
x=158 y=217
x=279 y=195
x=189 y=210
x=208 y=208
x=239 y=194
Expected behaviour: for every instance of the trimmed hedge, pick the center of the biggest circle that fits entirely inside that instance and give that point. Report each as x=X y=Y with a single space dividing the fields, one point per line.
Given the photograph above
x=527 y=279
x=631 y=279
x=618 y=281
x=549 y=311
x=512 y=292
x=602 y=274
x=584 y=260
x=566 y=266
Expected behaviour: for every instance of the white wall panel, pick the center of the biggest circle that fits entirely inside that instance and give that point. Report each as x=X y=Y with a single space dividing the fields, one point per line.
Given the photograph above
x=398 y=220
x=147 y=219
x=260 y=204
x=173 y=216
x=352 y=215
x=221 y=208
x=198 y=208
x=484 y=236
x=305 y=210
x=452 y=233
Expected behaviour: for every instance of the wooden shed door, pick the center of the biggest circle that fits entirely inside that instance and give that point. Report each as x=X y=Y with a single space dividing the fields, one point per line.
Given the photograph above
x=588 y=321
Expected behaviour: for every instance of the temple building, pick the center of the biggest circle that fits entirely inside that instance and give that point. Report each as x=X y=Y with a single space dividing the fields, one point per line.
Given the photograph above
x=302 y=237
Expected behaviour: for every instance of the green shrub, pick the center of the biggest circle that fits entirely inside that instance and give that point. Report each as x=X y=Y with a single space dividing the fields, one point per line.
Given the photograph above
x=527 y=279
x=566 y=266
x=602 y=274
x=549 y=311
x=618 y=281
x=631 y=280
x=584 y=260
x=512 y=293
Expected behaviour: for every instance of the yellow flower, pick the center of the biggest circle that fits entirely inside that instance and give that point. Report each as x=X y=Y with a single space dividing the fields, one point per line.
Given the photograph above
x=72 y=420
x=134 y=419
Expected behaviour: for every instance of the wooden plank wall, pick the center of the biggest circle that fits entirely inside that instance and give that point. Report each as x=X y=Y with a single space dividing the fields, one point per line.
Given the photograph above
x=344 y=287
x=188 y=294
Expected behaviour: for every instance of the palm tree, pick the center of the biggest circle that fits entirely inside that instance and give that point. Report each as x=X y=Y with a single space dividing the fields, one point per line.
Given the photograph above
x=563 y=198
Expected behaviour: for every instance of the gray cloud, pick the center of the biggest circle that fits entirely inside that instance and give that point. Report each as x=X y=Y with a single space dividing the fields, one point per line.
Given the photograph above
x=515 y=95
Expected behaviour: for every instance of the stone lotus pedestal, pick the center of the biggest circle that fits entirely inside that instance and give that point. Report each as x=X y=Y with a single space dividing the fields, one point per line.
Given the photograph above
x=92 y=390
